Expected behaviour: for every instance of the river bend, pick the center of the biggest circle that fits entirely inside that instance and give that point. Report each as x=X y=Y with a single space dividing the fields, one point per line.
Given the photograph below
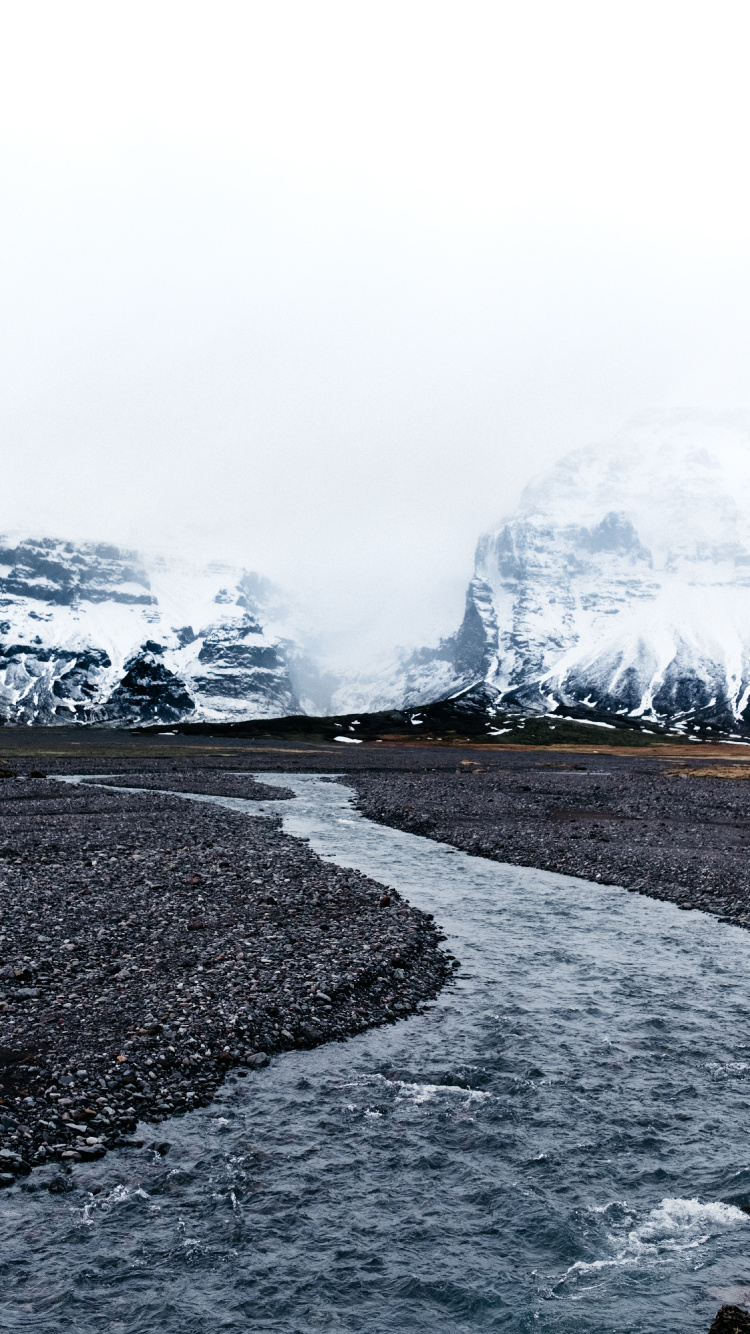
x=559 y=1144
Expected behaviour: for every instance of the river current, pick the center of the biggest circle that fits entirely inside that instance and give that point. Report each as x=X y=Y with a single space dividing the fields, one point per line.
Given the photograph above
x=559 y=1144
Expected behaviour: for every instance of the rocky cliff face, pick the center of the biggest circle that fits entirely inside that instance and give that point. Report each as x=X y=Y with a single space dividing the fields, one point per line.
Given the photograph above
x=621 y=586
x=90 y=633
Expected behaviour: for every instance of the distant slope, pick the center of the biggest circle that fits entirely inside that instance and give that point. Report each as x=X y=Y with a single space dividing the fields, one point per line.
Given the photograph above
x=471 y=718
x=619 y=590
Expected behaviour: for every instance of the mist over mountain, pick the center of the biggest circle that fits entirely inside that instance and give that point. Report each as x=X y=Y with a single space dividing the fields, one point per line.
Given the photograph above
x=621 y=585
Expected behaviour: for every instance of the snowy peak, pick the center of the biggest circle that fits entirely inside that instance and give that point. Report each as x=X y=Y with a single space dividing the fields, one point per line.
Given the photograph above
x=623 y=584
x=91 y=633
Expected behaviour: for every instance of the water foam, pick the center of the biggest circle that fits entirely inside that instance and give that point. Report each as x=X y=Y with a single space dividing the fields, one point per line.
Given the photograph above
x=675 y=1225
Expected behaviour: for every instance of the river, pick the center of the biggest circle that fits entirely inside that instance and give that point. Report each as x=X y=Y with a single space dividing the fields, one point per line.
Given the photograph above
x=559 y=1144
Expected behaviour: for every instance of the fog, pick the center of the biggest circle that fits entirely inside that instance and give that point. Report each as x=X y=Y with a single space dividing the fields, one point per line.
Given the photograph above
x=318 y=288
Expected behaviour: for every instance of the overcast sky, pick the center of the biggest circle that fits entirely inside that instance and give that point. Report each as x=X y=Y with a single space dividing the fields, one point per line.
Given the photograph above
x=318 y=286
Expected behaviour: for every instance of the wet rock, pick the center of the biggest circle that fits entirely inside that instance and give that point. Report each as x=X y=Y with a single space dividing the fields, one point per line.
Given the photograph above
x=731 y=1320
x=60 y=1185
x=11 y=1162
x=310 y=1033
x=89 y=1152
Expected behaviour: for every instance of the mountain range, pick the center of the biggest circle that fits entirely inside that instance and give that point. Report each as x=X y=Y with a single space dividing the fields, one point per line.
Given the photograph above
x=619 y=587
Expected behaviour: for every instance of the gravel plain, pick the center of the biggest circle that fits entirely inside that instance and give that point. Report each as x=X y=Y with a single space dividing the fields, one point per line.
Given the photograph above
x=148 y=945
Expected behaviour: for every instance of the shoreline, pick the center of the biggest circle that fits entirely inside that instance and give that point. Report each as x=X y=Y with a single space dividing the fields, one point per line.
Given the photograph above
x=676 y=834
x=151 y=944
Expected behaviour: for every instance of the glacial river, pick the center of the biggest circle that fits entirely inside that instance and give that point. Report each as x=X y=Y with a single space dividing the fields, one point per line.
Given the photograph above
x=560 y=1144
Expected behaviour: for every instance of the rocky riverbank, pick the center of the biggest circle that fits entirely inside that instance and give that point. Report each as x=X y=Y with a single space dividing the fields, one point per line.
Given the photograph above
x=676 y=832
x=149 y=944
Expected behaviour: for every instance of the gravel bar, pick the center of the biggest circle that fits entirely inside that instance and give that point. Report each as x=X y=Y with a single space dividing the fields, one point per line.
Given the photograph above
x=148 y=944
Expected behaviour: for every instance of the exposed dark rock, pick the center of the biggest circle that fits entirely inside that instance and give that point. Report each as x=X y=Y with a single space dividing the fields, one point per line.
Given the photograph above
x=731 y=1320
x=64 y=573
x=148 y=691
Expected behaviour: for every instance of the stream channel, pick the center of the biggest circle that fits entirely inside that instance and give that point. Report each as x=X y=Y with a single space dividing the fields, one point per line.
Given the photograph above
x=559 y=1144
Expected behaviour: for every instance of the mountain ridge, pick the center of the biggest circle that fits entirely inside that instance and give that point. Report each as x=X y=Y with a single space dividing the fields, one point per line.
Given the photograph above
x=619 y=588
x=92 y=633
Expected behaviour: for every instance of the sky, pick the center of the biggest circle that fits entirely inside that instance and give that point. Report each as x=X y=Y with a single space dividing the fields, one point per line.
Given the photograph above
x=318 y=287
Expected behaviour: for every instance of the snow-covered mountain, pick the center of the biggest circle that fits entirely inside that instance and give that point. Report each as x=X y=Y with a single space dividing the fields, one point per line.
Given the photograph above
x=621 y=586
x=91 y=633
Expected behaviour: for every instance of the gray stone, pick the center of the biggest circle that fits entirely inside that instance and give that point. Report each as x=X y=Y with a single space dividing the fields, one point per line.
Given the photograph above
x=89 y=1152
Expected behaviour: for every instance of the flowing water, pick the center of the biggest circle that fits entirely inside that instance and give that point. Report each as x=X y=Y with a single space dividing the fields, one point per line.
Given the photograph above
x=559 y=1144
